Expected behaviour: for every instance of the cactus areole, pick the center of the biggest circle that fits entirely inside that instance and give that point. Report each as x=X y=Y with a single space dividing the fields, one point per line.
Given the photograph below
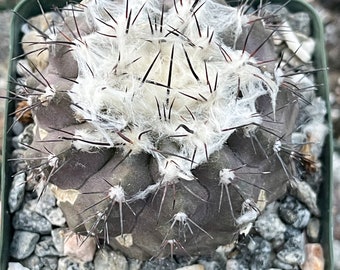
x=163 y=125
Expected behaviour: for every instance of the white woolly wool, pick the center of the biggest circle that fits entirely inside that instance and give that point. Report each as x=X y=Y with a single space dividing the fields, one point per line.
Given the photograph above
x=147 y=75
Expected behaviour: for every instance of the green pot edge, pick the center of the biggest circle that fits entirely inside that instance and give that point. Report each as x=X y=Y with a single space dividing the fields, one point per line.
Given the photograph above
x=29 y=8
x=325 y=195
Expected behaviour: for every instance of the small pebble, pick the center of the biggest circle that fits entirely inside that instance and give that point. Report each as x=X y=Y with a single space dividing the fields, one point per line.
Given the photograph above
x=46 y=199
x=55 y=216
x=30 y=221
x=33 y=262
x=313 y=230
x=17 y=127
x=293 y=212
x=261 y=255
x=80 y=247
x=110 y=260
x=67 y=263
x=287 y=210
x=46 y=206
x=23 y=244
x=135 y=264
x=26 y=137
x=46 y=247
x=269 y=225
x=50 y=262
x=291 y=232
x=16 y=266
x=293 y=251
x=304 y=193
x=314 y=257
x=58 y=237
x=234 y=264
x=278 y=241
x=303 y=217
x=17 y=192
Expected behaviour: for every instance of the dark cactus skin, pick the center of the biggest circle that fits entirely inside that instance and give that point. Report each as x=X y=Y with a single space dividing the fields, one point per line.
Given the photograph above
x=182 y=217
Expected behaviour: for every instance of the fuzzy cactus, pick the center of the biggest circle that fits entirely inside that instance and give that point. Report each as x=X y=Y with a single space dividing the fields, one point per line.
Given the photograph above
x=164 y=126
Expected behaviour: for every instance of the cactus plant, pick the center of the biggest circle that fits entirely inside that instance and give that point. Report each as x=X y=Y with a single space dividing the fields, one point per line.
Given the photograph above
x=164 y=126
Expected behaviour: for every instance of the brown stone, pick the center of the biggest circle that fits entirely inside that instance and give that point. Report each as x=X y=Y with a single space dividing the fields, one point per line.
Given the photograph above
x=80 y=247
x=314 y=257
x=23 y=112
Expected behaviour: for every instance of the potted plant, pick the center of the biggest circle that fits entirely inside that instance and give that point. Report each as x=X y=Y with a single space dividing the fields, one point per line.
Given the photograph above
x=177 y=152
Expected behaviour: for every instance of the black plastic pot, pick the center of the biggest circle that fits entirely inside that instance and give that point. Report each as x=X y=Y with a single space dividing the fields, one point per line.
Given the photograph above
x=29 y=8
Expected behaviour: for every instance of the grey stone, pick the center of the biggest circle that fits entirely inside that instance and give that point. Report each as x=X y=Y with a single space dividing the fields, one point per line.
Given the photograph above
x=287 y=210
x=46 y=247
x=46 y=200
x=293 y=212
x=305 y=194
x=27 y=220
x=233 y=264
x=32 y=262
x=293 y=251
x=261 y=255
x=50 y=262
x=55 y=216
x=67 y=263
x=46 y=206
x=135 y=264
x=16 y=266
x=303 y=217
x=23 y=244
x=15 y=142
x=58 y=237
x=17 y=127
x=269 y=225
x=278 y=241
x=313 y=230
x=26 y=137
x=17 y=192
x=291 y=232
x=110 y=260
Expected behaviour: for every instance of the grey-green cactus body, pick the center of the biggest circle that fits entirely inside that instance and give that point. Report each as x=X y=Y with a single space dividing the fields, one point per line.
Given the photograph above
x=167 y=119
